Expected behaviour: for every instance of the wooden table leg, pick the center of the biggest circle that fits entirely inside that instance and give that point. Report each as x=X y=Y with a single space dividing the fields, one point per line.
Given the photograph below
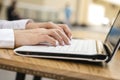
x=37 y=78
x=20 y=76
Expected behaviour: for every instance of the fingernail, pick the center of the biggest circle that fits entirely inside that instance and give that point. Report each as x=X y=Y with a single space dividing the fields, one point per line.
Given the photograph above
x=63 y=43
x=70 y=37
x=57 y=43
x=69 y=42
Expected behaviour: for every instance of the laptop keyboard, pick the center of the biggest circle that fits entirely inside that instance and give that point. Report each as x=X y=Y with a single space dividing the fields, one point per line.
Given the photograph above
x=85 y=46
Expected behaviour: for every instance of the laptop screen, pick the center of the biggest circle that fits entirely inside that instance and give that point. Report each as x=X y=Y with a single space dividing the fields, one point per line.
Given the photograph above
x=113 y=36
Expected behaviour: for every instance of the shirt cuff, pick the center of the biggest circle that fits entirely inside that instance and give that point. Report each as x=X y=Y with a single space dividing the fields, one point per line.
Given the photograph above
x=6 y=38
x=17 y=24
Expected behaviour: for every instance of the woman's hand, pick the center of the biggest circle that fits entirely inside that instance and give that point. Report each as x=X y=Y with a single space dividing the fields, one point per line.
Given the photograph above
x=49 y=25
x=39 y=35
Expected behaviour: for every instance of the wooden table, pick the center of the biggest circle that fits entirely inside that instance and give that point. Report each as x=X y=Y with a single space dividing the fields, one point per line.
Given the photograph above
x=60 y=69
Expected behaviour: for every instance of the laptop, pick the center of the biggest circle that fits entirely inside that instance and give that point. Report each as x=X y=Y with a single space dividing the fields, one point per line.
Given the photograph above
x=80 y=49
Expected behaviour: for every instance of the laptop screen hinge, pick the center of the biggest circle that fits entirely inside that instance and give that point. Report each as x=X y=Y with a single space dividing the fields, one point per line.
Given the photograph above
x=108 y=53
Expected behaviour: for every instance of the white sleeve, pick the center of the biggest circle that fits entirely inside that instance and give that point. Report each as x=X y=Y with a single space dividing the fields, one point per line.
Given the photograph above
x=6 y=38
x=17 y=24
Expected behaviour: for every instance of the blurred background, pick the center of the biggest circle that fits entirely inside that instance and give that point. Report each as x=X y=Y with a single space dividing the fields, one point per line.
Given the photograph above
x=78 y=12
x=89 y=15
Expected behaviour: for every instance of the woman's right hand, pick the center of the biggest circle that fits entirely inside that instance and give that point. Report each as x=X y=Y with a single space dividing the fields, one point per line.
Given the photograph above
x=39 y=35
x=50 y=25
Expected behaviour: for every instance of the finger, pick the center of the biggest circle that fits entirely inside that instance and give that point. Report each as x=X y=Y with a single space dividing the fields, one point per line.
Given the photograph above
x=54 y=34
x=64 y=37
x=63 y=28
x=48 y=39
x=66 y=30
x=52 y=25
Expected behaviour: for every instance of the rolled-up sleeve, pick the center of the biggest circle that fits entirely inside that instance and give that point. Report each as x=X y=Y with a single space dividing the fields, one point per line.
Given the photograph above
x=17 y=24
x=6 y=38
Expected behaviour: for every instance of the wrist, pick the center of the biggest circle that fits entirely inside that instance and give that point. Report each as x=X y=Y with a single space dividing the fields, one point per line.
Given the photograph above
x=18 y=37
x=15 y=35
x=28 y=24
